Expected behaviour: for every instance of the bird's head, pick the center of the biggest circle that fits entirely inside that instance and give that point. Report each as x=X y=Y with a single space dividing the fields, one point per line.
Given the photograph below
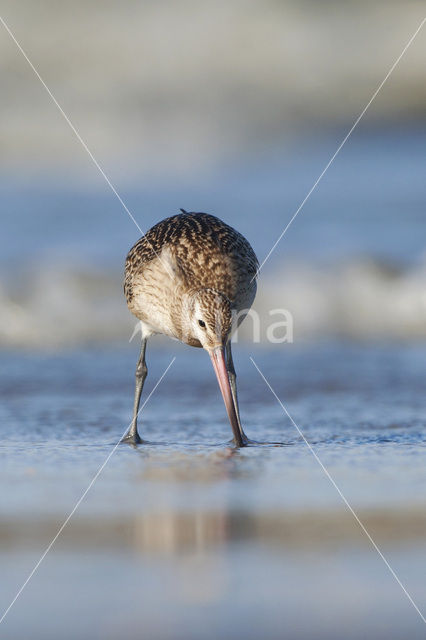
x=210 y=317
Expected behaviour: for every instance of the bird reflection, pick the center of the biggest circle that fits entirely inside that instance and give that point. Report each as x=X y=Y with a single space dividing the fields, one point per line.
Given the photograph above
x=180 y=466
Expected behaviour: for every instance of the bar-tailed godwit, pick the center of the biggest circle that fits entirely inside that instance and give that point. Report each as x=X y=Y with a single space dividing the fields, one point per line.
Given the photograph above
x=192 y=277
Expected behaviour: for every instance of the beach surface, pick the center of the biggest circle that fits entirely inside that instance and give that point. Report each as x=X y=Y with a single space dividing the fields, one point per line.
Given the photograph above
x=190 y=538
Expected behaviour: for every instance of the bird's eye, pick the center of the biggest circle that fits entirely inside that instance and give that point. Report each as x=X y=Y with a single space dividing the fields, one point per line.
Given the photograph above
x=202 y=323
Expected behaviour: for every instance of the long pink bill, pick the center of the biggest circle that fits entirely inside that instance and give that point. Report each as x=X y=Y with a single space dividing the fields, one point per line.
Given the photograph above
x=218 y=359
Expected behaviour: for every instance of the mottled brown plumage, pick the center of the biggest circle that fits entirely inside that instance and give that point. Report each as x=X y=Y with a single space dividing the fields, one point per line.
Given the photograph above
x=192 y=277
x=179 y=256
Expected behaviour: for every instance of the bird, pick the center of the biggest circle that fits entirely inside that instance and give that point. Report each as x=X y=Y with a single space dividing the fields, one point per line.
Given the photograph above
x=192 y=277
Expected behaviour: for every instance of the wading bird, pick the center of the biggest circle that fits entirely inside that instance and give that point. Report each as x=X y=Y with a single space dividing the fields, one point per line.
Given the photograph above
x=192 y=277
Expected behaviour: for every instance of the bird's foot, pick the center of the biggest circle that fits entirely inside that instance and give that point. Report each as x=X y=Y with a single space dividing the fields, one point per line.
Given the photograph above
x=248 y=442
x=245 y=442
x=132 y=438
x=256 y=443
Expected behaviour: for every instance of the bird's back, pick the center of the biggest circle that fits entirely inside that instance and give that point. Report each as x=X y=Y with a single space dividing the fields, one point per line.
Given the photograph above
x=200 y=249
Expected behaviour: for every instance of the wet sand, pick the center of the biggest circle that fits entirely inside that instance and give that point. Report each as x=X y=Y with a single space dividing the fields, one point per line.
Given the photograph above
x=192 y=539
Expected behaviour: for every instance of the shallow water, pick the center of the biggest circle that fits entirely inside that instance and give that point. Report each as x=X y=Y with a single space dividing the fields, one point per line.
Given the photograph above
x=191 y=538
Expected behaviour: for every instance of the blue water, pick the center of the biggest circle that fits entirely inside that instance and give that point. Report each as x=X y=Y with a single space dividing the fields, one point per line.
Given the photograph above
x=370 y=202
x=190 y=538
x=223 y=539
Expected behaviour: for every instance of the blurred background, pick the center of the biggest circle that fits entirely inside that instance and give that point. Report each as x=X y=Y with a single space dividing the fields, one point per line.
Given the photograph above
x=233 y=108
x=230 y=108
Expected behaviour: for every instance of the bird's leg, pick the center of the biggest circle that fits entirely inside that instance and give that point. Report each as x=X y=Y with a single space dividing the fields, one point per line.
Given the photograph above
x=132 y=435
x=233 y=382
